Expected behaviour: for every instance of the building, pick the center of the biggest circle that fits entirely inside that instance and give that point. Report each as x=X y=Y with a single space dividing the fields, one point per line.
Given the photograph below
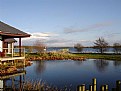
x=7 y=50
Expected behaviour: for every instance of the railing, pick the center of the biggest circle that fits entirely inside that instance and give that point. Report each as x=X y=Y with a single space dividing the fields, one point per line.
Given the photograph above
x=93 y=87
x=12 y=52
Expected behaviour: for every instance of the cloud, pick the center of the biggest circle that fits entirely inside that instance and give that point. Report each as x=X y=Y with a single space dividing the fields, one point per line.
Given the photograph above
x=113 y=35
x=39 y=35
x=90 y=28
x=64 y=42
x=57 y=40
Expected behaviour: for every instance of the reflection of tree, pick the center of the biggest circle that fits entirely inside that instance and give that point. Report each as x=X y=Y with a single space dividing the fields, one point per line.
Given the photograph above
x=101 y=64
x=117 y=63
x=40 y=66
x=78 y=63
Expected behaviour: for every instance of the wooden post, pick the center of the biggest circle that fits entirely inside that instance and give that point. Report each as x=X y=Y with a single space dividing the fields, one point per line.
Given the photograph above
x=24 y=63
x=102 y=88
x=94 y=84
x=106 y=87
x=20 y=47
x=20 y=86
x=78 y=88
x=12 y=46
x=118 y=85
x=90 y=88
x=1 y=85
x=3 y=45
x=83 y=87
x=13 y=83
x=4 y=85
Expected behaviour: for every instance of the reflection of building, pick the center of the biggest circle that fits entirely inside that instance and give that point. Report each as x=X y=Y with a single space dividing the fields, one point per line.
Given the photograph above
x=1 y=84
x=11 y=78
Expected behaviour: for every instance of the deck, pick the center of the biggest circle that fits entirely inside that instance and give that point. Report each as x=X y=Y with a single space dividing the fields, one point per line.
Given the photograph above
x=13 y=75
x=11 y=58
x=12 y=54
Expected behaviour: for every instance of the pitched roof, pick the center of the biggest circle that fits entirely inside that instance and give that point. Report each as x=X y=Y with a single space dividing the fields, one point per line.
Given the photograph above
x=8 y=30
x=10 y=40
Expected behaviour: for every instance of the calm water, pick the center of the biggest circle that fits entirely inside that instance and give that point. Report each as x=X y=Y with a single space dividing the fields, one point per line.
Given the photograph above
x=72 y=49
x=72 y=73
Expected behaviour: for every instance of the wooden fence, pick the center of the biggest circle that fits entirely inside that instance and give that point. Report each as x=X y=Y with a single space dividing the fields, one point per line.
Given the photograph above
x=93 y=87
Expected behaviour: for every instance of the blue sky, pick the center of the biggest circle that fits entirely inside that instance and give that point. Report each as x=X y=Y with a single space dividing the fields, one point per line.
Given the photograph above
x=64 y=22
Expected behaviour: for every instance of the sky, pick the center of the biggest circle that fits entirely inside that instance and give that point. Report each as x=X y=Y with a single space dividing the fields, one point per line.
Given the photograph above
x=62 y=23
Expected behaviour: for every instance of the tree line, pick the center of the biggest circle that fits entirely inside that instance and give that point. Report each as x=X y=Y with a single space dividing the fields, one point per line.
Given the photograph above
x=101 y=45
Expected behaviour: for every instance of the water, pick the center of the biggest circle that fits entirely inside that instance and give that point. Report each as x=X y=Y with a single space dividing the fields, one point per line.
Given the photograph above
x=72 y=49
x=73 y=73
x=85 y=50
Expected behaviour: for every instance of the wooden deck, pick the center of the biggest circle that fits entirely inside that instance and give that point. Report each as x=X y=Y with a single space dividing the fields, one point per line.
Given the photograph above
x=12 y=75
x=10 y=58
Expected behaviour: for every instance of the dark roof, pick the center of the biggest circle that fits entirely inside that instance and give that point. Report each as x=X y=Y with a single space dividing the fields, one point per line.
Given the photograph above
x=10 y=40
x=8 y=30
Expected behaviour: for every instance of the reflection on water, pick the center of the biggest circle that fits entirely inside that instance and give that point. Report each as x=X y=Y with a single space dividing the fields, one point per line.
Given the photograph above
x=72 y=73
x=101 y=64
x=68 y=72
x=40 y=67
x=12 y=82
x=117 y=63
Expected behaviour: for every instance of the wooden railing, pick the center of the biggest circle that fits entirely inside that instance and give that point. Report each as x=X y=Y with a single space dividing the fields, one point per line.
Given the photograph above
x=15 y=52
x=93 y=87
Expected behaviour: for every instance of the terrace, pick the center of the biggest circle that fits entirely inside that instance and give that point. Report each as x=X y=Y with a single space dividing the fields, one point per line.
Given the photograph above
x=12 y=54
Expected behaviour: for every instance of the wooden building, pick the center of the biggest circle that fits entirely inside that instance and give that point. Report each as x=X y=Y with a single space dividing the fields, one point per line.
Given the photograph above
x=7 y=35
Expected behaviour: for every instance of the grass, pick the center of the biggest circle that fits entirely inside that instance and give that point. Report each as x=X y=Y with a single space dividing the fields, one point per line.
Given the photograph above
x=73 y=56
x=53 y=56
x=116 y=57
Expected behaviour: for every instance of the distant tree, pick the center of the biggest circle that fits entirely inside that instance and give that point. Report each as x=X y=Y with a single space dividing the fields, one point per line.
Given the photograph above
x=101 y=45
x=39 y=46
x=30 y=49
x=117 y=47
x=78 y=47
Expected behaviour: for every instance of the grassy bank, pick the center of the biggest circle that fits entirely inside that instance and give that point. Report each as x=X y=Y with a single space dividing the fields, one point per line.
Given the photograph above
x=116 y=57
x=53 y=56
x=72 y=56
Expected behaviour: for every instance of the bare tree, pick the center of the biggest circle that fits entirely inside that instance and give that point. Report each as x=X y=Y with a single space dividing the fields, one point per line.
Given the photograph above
x=30 y=49
x=78 y=47
x=39 y=46
x=117 y=47
x=101 y=45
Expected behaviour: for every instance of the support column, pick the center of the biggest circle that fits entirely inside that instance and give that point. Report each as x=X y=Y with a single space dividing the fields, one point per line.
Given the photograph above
x=3 y=45
x=3 y=50
x=1 y=85
x=20 y=47
x=20 y=84
x=12 y=47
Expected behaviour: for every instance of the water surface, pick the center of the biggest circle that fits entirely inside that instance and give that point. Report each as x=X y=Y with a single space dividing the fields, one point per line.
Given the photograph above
x=72 y=73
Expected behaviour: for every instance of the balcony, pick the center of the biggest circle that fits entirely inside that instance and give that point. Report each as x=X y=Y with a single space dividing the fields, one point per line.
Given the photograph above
x=12 y=54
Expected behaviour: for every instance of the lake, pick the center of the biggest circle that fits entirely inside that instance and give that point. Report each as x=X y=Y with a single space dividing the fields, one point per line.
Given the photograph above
x=73 y=50
x=72 y=73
